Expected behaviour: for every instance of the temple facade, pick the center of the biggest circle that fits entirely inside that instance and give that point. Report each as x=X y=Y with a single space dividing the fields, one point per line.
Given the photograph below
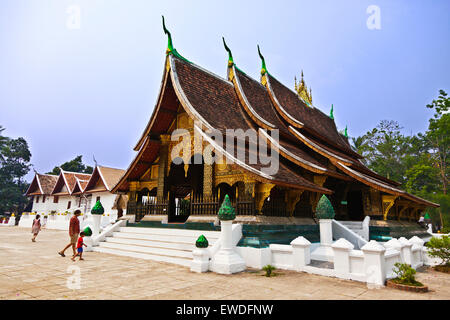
x=68 y=191
x=179 y=181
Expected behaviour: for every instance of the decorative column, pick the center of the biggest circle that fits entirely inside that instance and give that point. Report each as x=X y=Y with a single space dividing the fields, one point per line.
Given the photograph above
x=227 y=261
x=342 y=249
x=162 y=167
x=325 y=214
x=97 y=213
x=301 y=253
x=200 y=263
x=12 y=220
x=207 y=176
x=374 y=263
x=418 y=244
x=406 y=250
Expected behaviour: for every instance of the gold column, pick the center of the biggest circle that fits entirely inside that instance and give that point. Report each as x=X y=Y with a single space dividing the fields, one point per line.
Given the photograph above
x=162 y=167
x=207 y=176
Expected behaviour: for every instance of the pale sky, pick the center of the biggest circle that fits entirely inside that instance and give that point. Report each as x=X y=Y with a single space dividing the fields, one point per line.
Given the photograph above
x=91 y=90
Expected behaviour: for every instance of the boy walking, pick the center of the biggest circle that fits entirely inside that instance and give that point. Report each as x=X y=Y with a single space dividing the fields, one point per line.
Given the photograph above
x=80 y=245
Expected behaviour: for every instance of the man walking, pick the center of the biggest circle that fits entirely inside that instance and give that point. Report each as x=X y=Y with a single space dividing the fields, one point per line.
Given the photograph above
x=74 y=230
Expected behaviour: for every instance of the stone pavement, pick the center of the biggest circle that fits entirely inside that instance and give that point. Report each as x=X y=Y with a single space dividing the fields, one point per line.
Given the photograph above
x=35 y=271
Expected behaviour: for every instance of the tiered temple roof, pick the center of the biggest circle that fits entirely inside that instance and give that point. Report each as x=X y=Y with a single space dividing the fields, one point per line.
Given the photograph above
x=308 y=137
x=42 y=184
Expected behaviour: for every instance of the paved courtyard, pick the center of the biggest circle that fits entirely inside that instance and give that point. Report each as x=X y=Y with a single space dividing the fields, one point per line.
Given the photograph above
x=35 y=271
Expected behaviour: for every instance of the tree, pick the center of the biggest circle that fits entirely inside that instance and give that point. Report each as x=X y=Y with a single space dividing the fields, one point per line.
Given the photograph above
x=420 y=162
x=384 y=148
x=74 y=165
x=438 y=136
x=14 y=165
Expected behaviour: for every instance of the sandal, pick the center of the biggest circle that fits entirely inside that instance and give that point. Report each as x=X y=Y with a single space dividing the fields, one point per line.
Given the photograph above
x=61 y=254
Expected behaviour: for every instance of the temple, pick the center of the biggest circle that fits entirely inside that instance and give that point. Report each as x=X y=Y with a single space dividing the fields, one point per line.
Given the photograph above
x=314 y=158
x=69 y=191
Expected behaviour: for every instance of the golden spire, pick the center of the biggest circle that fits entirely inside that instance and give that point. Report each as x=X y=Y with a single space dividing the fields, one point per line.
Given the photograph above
x=302 y=90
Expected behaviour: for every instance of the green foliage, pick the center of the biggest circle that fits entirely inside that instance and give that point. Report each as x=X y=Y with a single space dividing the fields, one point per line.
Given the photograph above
x=74 y=165
x=98 y=208
x=384 y=148
x=201 y=242
x=438 y=137
x=405 y=274
x=419 y=162
x=439 y=248
x=14 y=165
x=268 y=269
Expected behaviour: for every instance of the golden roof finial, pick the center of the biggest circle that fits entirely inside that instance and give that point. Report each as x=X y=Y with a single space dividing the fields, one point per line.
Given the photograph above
x=302 y=90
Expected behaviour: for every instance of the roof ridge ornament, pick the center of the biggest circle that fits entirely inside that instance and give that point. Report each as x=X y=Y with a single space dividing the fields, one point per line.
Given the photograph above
x=230 y=56
x=263 y=61
x=331 y=112
x=345 y=132
x=169 y=38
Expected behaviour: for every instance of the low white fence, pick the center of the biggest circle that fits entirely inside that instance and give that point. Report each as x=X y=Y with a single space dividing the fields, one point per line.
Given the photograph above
x=373 y=264
x=61 y=221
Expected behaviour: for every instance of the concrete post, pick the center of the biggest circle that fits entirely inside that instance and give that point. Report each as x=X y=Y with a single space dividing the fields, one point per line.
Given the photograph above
x=12 y=221
x=200 y=263
x=396 y=245
x=341 y=249
x=301 y=253
x=406 y=250
x=227 y=261
x=326 y=232
x=96 y=218
x=374 y=263
x=417 y=242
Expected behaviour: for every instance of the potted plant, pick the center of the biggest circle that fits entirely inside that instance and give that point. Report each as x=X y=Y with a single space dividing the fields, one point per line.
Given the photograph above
x=440 y=248
x=405 y=279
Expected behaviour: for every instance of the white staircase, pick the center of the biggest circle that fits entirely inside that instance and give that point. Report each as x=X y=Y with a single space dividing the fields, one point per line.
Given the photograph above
x=159 y=244
x=355 y=226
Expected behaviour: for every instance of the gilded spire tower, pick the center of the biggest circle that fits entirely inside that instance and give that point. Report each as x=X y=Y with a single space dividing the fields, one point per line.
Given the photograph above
x=302 y=90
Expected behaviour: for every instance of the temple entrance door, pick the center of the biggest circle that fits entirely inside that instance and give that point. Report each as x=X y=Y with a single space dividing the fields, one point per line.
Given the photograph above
x=184 y=184
x=355 y=205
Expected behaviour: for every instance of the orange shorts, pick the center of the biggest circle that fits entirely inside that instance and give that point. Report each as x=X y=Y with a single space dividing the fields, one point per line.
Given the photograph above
x=74 y=238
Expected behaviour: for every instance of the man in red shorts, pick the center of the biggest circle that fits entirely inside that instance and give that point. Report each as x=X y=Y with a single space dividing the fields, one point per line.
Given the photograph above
x=74 y=230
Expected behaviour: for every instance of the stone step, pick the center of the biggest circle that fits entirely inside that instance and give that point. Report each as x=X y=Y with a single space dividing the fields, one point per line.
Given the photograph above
x=148 y=249
x=356 y=224
x=161 y=238
x=174 y=260
x=149 y=243
x=172 y=232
